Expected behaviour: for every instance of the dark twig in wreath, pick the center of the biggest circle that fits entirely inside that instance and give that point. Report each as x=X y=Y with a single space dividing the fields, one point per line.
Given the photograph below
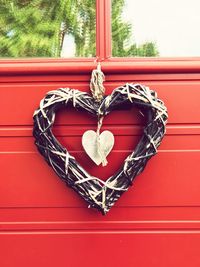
x=99 y=194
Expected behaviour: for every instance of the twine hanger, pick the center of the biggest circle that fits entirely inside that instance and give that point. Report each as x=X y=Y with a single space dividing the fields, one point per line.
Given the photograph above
x=98 y=91
x=96 y=83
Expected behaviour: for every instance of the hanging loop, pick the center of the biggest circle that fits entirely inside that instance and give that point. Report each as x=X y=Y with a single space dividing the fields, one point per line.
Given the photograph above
x=96 y=83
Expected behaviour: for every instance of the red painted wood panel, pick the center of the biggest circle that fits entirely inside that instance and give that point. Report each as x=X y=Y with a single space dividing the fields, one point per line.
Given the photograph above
x=156 y=223
x=31 y=183
x=105 y=248
x=26 y=98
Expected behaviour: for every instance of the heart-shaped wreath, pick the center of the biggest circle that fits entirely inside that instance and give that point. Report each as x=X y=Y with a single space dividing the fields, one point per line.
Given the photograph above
x=99 y=194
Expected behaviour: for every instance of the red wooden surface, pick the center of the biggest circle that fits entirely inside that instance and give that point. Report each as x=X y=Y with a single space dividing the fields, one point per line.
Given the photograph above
x=103 y=29
x=44 y=223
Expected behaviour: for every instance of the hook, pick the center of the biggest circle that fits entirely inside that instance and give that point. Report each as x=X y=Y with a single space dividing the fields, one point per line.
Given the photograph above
x=99 y=66
x=98 y=61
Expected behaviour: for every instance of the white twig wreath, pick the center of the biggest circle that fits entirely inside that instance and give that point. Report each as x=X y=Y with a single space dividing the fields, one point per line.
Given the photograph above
x=100 y=194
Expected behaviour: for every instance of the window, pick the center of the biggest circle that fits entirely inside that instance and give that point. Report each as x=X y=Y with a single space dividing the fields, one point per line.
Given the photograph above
x=44 y=28
x=106 y=29
x=155 y=28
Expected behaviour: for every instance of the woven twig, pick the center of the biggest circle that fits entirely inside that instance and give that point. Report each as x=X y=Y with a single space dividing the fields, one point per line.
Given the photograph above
x=99 y=194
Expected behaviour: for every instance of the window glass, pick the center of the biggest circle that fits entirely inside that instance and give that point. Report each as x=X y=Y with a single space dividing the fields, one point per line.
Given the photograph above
x=43 y=28
x=166 y=28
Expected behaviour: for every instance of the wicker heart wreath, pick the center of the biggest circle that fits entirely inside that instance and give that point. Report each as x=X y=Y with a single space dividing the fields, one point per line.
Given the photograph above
x=100 y=194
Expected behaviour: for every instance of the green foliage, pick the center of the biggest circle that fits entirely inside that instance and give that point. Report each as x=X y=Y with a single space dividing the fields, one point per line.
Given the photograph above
x=36 y=28
x=31 y=28
x=122 y=34
x=147 y=50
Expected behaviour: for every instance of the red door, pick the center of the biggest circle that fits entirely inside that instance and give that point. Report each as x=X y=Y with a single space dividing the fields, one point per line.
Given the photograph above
x=44 y=223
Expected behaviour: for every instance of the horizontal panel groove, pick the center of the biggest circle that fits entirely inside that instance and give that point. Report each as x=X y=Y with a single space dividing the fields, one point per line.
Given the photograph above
x=122 y=207
x=76 y=130
x=98 y=232
x=105 y=225
x=113 y=151
x=84 y=79
x=112 y=65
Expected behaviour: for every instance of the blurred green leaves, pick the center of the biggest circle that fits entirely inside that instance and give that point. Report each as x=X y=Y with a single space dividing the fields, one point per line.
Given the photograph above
x=33 y=28
x=37 y=28
x=122 y=33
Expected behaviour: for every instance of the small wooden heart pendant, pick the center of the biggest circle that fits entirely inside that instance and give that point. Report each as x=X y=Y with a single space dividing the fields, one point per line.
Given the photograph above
x=98 y=146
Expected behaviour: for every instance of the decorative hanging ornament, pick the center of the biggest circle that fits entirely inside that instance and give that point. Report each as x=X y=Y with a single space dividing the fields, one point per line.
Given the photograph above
x=97 y=193
x=98 y=145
